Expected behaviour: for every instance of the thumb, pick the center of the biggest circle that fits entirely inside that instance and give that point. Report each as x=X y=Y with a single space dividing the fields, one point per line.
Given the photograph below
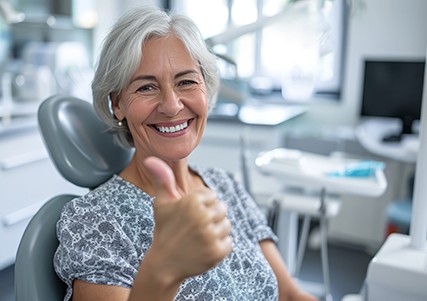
x=164 y=180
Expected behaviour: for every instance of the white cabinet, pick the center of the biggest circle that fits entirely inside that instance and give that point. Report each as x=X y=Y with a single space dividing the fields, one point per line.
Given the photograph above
x=28 y=178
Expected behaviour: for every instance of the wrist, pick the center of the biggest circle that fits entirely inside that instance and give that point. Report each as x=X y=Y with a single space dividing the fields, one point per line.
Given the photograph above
x=155 y=279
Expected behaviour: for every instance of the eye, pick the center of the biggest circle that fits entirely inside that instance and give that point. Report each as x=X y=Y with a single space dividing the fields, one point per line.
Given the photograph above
x=148 y=88
x=187 y=83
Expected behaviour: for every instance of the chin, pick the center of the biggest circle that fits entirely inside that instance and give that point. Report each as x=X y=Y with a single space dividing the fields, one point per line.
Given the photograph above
x=176 y=156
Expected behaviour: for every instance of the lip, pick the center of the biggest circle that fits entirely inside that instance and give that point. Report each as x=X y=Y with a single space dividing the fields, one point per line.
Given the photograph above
x=170 y=128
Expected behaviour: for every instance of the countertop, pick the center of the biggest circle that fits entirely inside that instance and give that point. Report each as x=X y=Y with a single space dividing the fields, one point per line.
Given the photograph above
x=256 y=111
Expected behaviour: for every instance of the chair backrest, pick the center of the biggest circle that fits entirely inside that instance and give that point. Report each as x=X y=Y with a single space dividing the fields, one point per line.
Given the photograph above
x=35 y=278
x=85 y=153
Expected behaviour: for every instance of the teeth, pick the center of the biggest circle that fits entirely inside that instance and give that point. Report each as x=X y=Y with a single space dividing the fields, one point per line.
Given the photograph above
x=172 y=129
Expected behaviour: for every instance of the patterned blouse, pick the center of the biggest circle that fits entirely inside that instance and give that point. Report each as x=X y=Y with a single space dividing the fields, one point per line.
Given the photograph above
x=105 y=234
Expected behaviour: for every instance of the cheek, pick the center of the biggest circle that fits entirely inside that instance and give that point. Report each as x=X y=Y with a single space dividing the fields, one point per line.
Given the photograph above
x=201 y=101
x=137 y=110
x=200 y=108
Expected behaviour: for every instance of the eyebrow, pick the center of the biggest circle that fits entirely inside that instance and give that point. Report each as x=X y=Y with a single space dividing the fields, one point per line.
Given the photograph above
x=152 y=77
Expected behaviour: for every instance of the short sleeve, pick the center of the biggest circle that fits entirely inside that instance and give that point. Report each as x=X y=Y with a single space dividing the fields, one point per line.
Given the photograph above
x=246 y=215
x=93 y=247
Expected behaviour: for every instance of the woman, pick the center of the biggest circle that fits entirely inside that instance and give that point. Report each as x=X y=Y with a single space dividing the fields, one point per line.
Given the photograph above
x=161 y=230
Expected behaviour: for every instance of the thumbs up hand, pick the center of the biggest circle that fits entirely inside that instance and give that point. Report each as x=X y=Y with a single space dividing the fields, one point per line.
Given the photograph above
x=192 y=232
x=164 y=179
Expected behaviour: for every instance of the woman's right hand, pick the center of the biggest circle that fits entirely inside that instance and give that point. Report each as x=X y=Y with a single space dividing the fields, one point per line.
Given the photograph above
x=192 y=232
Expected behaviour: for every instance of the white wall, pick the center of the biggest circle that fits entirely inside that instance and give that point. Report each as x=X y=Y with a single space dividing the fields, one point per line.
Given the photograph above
x=377 y=28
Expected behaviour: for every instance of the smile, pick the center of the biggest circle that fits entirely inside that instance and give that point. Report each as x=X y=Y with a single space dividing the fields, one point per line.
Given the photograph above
x=172 y=129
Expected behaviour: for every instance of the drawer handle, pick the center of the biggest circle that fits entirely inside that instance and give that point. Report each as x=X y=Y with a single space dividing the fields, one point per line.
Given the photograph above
x=24 y=159
x=21 y=215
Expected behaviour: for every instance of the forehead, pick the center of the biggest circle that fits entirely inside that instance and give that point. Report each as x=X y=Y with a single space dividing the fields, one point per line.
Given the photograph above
x=165 y=53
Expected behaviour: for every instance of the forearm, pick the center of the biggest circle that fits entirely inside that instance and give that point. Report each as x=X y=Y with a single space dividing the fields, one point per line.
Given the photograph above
x=154 y=281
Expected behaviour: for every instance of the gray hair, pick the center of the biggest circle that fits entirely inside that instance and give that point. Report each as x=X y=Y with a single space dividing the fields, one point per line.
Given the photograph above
x=121 y=55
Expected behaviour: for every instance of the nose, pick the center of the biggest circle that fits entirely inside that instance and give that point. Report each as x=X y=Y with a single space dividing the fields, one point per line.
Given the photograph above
x=170 y=103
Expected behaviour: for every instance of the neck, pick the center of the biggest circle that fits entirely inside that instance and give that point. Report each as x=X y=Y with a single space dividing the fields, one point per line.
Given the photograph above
x=140 y=176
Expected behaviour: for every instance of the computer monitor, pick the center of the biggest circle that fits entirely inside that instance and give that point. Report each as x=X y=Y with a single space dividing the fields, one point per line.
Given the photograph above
x=393 y=89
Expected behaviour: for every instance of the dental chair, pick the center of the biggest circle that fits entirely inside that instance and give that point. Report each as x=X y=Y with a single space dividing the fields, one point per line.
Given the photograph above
x=85 y=153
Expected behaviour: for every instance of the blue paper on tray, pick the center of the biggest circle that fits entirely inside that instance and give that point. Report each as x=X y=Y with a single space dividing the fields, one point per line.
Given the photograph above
x=364 y=168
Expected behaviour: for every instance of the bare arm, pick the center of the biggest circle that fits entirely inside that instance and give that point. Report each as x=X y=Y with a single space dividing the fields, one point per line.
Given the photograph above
x=84 y=291
x=288 y=289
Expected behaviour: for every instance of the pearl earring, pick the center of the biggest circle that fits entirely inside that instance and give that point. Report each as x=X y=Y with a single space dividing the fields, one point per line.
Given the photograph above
x=120 y=123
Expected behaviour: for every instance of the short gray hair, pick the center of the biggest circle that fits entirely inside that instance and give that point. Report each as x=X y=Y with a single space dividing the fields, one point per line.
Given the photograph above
x=121 y=54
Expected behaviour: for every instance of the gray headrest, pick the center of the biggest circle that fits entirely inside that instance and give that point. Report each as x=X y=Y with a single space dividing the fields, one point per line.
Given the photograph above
x=79 y=143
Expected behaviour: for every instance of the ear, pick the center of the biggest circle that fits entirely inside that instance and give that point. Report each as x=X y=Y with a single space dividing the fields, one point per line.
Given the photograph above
x=116 y=106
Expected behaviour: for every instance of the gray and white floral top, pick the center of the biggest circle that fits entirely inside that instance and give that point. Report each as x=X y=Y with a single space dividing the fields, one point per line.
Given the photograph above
x=105 y=234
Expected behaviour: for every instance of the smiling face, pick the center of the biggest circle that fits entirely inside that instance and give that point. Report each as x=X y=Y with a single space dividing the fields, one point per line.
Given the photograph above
x=165 y=104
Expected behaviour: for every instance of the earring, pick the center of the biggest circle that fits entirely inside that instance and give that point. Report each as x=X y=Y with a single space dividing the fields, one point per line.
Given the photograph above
x=120 y=123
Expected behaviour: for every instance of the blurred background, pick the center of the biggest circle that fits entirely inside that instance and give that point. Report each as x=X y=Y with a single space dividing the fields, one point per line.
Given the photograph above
x=294 y=73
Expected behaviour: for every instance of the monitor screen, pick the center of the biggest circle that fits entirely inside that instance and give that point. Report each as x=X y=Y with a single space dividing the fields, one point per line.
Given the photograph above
x=393 y=89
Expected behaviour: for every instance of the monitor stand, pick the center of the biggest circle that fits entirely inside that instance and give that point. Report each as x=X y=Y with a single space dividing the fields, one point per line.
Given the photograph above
x=392 y=138
x=407 y=122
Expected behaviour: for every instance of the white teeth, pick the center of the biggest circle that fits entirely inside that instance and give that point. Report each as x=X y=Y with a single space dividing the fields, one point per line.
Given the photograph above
x=172 y=129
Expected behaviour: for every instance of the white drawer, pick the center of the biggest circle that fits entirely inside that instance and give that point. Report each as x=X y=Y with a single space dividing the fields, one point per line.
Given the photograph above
x=28 y=178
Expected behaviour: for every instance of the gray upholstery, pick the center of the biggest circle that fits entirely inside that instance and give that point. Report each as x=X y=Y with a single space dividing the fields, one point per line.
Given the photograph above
x=35 y=278
x=85 y=154
x=79 y=144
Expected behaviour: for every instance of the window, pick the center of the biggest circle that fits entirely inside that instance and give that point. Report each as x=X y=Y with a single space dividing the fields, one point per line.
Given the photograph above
x=295 y=46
